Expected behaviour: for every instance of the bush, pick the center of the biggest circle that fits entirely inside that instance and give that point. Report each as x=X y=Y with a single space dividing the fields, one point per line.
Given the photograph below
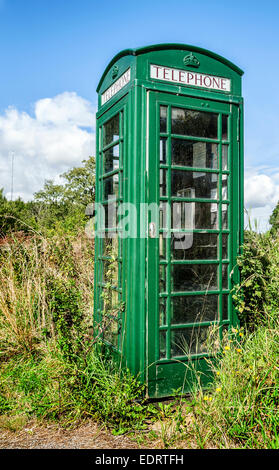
x=242 y=406
x=257 y=295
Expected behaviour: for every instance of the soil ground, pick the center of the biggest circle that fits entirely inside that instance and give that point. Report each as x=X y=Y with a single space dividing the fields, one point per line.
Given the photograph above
x=51 y=436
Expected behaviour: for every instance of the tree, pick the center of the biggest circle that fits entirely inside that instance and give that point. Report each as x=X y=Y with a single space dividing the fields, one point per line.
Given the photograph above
x=274 y=220
x=66 y=203
x=55 y=206
x=12 y=215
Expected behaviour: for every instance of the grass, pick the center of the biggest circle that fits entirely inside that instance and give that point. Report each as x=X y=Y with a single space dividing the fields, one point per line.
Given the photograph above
x=240 y=409
x=49 y=369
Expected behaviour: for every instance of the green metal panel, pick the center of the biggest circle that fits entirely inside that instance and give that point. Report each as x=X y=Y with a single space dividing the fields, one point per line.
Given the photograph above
x=127 y=89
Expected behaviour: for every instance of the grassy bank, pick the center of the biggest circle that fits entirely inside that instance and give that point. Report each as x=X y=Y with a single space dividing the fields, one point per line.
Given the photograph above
x=50 y=370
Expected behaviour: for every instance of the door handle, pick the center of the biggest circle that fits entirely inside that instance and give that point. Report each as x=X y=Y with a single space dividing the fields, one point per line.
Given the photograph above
x=152 y=230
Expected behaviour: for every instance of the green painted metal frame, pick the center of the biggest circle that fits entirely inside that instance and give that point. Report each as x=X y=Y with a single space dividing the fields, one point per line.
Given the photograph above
x=139 y=101
x=159 y=380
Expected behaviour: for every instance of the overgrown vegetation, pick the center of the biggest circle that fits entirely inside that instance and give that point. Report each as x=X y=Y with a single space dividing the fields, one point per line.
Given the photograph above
x=51 y=369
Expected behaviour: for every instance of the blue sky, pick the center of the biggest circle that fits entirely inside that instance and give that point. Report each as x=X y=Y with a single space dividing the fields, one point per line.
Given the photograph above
x=53 y=53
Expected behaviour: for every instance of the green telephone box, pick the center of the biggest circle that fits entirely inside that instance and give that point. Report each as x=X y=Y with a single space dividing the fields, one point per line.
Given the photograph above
x=169 y=205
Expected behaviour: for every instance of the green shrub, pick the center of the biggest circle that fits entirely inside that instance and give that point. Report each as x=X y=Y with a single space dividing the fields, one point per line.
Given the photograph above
x=241 y=409
x=257 y=294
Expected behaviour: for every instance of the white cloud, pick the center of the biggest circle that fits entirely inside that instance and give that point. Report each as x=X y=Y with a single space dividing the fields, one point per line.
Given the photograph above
x=261 y=194
x=59 y=136
x=259 y=190
x=67 y=108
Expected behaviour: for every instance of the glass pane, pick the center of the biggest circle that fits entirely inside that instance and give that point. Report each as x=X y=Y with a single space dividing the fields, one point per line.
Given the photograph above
x=195 y=215
x=225 y=299
x=224 y=186
x=111 y=301
x=110 y=215
x=194 y=309
x=193 y=340
x=162 y=246
x=196 y=277
x=162 y=279
x=110 y=245
x=194 y=184
x=111 y=331
x=225 y=276
x=163 y=342
x=225 y=149
x=194 y=246
x=194 y=154
x=163 y=182
x=195 y=123
x=163 y=151
x=225 y=239
x=163 y=311
x=111 y=187
x=224 y=127
x=110 y=272
x=163 y=214
x=224 y=216
x=111 y=130
x=163 y=118
x=111 y=159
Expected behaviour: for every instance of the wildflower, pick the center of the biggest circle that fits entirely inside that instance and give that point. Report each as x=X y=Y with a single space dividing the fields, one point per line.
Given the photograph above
x=218 y=389
x=217 y=373
x=227 y=348
x=240 y=334
x=205 y=398
x=238 y=350
x=234 y=330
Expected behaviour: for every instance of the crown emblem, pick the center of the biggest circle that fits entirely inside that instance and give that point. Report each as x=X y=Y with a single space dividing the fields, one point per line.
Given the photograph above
x=114 y=71
x=191 y=60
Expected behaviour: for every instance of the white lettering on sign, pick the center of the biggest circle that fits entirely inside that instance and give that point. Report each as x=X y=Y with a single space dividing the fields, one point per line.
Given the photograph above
x=116 y=87
x=186 y=77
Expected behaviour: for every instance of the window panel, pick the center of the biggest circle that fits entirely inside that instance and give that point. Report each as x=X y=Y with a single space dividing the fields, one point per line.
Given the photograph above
x=163 y=182
x=225 y=239
x=163 y=118
x=111 y=159
x=195 y=215
x=194 y=246
x=111 y=131
x=225 y=276
x=162 y=344
x=162 y=280
x=224 y=127
x=224 y=216
x=110 y=272
x=225 y=299
x=110 y=245
x=111 y=331
x=196 y=277
x=194 y=123
x=194 y=184
x=192 y=340
x=163 y=310
x=193 y=309
x=111 y=187
x=194 y=154
x=225 y=149
x=162 y=246
x=110 y=215
x=224 y=186
x=163 y=151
